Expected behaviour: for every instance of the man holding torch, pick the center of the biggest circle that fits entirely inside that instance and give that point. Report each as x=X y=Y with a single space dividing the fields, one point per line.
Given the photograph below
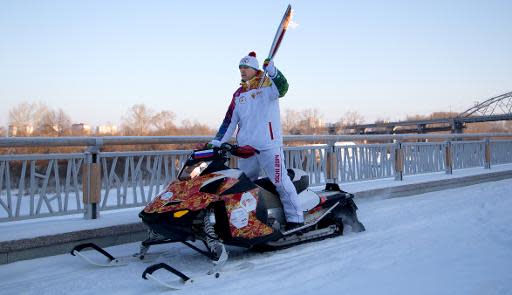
x=255 y=110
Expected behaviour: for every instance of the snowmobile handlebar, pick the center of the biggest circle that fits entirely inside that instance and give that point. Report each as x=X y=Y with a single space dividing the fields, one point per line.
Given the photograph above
x=226 y=149
x=244 y=152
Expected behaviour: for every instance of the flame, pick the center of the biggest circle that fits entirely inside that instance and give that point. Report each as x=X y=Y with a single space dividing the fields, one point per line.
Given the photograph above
x=292 y=24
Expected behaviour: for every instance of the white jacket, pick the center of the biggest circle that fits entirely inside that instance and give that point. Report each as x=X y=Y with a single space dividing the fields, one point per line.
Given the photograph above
x=256 y=113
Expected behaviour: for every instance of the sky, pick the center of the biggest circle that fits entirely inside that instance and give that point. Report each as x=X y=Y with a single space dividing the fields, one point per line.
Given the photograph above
x=382 y=59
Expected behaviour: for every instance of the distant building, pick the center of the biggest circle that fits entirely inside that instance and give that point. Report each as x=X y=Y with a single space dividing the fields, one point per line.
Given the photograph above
x=315 y=122
x=80 y=129
x=106 y=129
x=20 y=130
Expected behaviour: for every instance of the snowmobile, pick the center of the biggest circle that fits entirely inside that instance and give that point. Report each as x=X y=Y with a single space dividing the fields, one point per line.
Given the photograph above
x=219 y=206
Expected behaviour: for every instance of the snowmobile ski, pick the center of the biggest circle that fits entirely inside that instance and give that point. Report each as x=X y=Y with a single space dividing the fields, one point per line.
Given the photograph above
x=111 y=260
x=185 y=281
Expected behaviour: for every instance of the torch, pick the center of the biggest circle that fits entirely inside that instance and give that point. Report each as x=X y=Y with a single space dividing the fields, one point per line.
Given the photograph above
x=281 y=30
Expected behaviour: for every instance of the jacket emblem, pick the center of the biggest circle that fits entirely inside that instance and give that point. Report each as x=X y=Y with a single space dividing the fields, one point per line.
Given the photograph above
x=254 y=94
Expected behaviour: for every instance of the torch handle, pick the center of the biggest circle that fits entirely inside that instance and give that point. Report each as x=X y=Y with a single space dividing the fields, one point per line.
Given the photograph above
x=262 y=79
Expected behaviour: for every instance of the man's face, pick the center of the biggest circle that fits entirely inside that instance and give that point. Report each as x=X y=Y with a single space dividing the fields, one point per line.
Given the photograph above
x=247 y=73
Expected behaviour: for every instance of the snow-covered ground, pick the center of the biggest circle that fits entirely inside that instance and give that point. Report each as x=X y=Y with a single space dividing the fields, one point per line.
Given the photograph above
x=455 y=241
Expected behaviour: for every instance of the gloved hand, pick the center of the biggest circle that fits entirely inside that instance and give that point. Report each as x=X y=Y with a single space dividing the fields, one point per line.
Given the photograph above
x=268 y=65
x=213 y=143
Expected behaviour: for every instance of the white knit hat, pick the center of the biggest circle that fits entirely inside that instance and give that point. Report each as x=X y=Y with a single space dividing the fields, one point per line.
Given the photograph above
x=250 y=61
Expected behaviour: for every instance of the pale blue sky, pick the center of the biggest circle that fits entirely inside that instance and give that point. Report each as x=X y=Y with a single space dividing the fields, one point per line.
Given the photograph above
x=383 y=59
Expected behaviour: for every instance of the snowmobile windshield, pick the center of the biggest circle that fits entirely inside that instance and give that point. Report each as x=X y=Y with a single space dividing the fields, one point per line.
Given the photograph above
x=196 y=163
x=190 y=171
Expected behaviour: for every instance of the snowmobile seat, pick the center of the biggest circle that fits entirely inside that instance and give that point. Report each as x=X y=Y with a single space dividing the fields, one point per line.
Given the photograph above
x=298 y=177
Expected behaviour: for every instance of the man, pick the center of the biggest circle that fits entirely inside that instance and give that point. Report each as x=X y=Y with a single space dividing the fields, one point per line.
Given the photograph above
x=255 y=110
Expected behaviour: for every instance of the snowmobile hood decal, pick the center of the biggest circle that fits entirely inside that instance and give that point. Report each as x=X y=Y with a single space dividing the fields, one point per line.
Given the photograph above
x=166 y=196
x=241 y=207
x=186 y=191
x=243 y=221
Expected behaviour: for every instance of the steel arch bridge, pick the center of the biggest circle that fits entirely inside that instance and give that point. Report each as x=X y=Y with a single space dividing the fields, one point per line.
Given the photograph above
x=498 y=105
x=498 y=108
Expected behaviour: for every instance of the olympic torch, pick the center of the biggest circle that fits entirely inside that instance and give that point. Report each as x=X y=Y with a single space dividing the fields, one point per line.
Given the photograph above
x=281 y=30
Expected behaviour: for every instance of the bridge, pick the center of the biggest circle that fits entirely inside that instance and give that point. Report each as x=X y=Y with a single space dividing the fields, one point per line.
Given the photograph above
x=498 y=108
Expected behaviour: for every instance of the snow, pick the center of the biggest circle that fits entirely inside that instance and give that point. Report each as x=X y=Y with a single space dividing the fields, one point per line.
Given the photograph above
x=31 y=228
x=456 y=241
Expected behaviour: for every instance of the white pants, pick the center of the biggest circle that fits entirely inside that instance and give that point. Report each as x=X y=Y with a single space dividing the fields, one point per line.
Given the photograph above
x=272 y=162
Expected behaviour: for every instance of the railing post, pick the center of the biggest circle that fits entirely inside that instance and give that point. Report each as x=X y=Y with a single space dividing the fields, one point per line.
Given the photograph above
x=399 y=161
x=91 y=183
x=304 y=163
x=331 y=167
x=487 y=162
x=448 y=158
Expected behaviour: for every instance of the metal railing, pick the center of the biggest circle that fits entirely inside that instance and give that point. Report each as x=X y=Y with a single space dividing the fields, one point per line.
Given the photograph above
x=424 y=157
x=468 y=154
x=39 y=185
x=501 y=152
x=312 y=159
x=364 y=162
x=45 y=185
x=134 y=178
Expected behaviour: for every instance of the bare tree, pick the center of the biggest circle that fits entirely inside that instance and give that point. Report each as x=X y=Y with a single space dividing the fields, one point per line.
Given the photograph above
x=416 y=117
x=290 y=121
x=194 y=128
x=142 y=120
x=54 y=123
x=351 y=118
x=137 y=120
x=308 y=121
x=381 y=120
x=27 y=114
x=311 y=121
x=63 y=122
x=443 y=115
x=27 y=117
x=163 y=122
